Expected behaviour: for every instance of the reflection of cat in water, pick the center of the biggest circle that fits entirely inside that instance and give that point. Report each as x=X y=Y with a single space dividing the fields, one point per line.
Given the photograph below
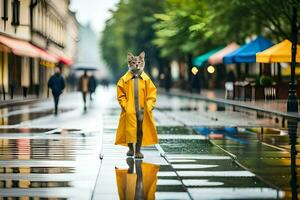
x=138 y=181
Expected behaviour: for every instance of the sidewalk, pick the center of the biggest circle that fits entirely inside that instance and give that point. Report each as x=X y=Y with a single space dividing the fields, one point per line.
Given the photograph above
x=185 y=165
x=115 y=181
x=277 y=107
x=18 y=100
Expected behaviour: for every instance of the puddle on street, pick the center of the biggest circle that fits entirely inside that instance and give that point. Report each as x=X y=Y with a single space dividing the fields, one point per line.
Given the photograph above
x=145 y=180
x=175 y=130
x=254 y=149
x=263 y=143
x=26 y=184
x=26 y=116
x=176 y=107
x=15 y=108
x=138 y=181
x=23 y=130
x=214 y=170
x=36 y=170
x=258 y=149
x=60 y=166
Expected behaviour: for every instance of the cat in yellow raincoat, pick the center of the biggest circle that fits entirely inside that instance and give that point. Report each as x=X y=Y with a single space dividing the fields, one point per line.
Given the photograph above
x=136 y=94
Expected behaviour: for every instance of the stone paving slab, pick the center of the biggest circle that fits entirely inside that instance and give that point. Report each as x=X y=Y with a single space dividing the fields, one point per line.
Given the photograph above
x=62 y=166
x=207 y=172
x=196 y=118
x=114 y=158
x=19 y=100
x=234 y=193
x=192 y=167
x=272 y=107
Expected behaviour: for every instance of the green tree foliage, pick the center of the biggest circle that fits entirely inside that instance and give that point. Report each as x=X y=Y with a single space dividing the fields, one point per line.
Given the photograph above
x=130 y=29
x=179 y=26
x=182 y=29
x=273 y=15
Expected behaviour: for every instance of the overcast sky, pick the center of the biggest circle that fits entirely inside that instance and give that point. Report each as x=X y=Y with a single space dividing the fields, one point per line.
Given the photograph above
x=94 y=11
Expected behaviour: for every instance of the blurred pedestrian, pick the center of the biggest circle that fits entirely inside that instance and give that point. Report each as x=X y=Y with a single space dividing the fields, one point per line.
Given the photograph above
x=196 y=83
x=71 y=81
x=92 y=86
x=57 y=84
x=83 y=87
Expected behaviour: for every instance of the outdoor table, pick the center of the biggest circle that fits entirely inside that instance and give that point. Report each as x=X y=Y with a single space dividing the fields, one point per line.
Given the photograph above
x=242 y=90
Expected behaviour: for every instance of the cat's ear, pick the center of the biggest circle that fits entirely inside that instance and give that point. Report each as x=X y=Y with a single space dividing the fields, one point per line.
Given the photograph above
x=142 y=55
x=129 y=56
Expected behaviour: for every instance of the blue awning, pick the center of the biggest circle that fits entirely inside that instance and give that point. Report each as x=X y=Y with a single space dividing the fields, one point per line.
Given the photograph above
x=247 y=52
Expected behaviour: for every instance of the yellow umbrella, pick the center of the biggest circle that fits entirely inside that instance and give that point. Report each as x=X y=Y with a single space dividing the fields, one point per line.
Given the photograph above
x=280 y=52
x=286 y=71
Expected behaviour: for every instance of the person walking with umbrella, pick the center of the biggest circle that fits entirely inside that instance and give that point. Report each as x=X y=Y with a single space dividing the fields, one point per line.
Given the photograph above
x=57 y=84
x=83 y=86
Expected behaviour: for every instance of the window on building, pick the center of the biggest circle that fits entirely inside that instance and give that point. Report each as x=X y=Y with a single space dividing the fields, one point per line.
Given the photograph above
x=38 y=18
x=5 y=10
x=33 y=3
x=16 y=13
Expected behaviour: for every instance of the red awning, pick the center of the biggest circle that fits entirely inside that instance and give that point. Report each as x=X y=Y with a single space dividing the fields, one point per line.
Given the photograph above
x=62 y=57
x=19 y=47
x=217 y=58
x=44 y=55
x=65 y=60
x=24 y=48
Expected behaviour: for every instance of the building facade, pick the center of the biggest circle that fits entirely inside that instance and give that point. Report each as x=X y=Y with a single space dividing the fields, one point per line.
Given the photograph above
x=33 y=35
x=14 y=23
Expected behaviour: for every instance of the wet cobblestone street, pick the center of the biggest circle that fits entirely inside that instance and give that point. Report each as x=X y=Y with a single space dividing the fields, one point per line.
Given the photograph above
x=205 y=151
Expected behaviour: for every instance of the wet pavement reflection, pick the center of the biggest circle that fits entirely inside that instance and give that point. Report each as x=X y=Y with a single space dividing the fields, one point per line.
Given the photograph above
x=205 y=151
x=263 y=144
x=12 y=119
x=52 y=167
x=210 y=173
x=138 y=181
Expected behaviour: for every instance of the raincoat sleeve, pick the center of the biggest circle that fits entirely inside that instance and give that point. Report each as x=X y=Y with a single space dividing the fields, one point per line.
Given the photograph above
x=121 y=95
x=151 y=96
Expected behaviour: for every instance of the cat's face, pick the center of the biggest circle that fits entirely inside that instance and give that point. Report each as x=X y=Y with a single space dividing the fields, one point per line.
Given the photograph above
x=136 y=63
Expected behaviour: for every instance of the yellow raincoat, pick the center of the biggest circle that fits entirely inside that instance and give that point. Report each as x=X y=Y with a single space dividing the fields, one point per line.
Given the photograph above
x=127 y=129
x=127 y=182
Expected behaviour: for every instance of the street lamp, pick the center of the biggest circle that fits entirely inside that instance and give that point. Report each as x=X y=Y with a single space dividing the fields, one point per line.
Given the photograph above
x=211 y=69
x=292 y=103
x=292 y=130
x=194 y=70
